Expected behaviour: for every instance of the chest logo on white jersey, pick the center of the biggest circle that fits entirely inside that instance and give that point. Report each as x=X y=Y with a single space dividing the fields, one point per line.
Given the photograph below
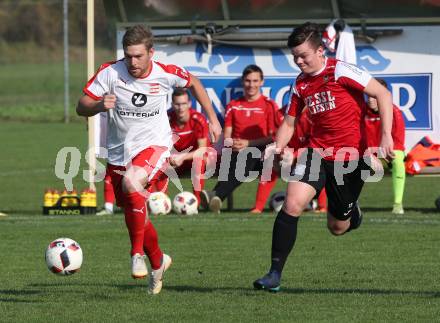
x=139 y=99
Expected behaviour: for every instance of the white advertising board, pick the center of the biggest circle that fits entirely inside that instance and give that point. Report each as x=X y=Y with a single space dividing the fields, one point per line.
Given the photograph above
x=410 y=63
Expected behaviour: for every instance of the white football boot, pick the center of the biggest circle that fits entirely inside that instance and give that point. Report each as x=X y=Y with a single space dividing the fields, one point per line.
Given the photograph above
x=155 y=285
x=139 y=269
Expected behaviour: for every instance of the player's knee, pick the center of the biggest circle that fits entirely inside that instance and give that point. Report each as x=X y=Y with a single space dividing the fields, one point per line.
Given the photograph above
x=293 y=207
x=127 y=187
x=337 y=229
x=130 y=186
x=135 y=180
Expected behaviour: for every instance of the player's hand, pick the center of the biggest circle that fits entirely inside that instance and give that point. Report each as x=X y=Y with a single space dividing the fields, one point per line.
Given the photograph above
x=287 y=157
x=228 y=142
x=239 y=144
x=376 y=164
x=215 y=130
x=272 y=149
x=109 y=101
x=176 y=160
x=386 y=148
x=269 y=151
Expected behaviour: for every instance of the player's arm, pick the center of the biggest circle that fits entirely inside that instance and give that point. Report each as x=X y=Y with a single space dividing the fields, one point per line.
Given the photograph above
x=199 y=92
x=385 y=105
x=287 y=127
x=88 y=106
x=201 y=143
x=228 y=136
x=97 y=97
x=398 y=128
x=285 y=133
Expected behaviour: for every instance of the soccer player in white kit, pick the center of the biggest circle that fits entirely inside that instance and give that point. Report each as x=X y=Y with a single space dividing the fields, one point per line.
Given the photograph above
x=134 y=92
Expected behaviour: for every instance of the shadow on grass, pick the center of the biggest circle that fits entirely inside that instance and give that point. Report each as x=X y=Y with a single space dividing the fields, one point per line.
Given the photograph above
x=16 y=300
x=248 y=291
x=16 y=292
x=4 y=293
x=362 y=291
x=246 y=211
x=368 y=291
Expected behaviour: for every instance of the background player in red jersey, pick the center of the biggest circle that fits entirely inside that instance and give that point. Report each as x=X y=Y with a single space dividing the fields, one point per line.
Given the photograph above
x=134 y=92
x=373 y=129
x=192 y=130
x=249 y=122
x=333 y=93
x=109 y=196
x=299 y=140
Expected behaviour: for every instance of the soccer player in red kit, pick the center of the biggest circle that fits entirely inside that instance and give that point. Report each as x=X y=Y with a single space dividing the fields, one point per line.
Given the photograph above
x=333 y=93
x=192 y=130
x=109 y=195
x=249 y=122
x=134 y=93
x=373 y=129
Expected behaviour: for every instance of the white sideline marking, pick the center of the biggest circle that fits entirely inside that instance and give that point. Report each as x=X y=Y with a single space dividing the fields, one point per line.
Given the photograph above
x=29 y=171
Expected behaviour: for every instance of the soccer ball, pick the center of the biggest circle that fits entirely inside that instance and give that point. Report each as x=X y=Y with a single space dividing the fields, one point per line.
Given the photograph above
x=185 y=203
x=277 y=201
x=64 y=256
x=159 y=203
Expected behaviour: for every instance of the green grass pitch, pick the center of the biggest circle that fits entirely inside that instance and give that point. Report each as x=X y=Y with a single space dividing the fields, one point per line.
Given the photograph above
x=387 y=271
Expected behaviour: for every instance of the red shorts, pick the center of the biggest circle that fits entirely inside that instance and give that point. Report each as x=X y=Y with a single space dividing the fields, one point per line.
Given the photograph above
x=152 y=159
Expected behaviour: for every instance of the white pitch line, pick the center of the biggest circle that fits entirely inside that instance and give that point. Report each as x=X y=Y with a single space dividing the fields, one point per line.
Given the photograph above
x=27 y=171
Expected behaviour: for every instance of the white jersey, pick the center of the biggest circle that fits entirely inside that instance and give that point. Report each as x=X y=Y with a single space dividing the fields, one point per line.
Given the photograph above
x=140 y=118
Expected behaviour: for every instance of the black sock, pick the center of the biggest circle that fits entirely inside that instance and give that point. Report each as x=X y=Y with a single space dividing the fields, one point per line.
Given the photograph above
x=283 y=239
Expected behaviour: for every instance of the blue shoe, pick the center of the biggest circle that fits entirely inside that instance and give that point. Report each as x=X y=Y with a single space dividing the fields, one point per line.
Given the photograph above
x=269 y=282
x=356 y=218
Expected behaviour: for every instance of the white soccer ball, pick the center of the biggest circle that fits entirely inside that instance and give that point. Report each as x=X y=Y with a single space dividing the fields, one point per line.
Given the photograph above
x=277 y=201
x=64 y=256
x=159 y=203
x=185 y=203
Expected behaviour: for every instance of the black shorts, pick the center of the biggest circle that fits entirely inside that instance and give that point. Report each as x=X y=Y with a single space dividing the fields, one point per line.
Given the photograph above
x=342 y=180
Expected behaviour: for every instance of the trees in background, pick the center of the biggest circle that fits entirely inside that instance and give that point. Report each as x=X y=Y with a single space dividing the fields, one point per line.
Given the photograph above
x=41 y=22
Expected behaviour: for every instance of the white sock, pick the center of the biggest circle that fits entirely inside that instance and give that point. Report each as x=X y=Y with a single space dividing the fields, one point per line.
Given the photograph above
x=108 y=207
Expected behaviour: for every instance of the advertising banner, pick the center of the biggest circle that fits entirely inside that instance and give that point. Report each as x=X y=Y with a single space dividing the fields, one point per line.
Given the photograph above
x=408 y=62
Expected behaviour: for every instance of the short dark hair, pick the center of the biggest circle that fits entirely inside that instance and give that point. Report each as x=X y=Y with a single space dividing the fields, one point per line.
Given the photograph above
x=306 y=32
x=136 y=35
x=252 y=69
x=179 y=91
x=382 y=81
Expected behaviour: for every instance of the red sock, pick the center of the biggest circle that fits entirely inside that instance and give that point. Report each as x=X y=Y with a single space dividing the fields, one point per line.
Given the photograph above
x=159 y=183
x=151 y=245
x=198 y=179
x=109 y=195
x=322 y=199
x=135 y=213
x=263 y=191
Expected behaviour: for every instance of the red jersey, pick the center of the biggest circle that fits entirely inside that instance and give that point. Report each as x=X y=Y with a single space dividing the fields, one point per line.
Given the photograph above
x=373 y=129
x=251 y=120
x=335 y=102
x=195 y=128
